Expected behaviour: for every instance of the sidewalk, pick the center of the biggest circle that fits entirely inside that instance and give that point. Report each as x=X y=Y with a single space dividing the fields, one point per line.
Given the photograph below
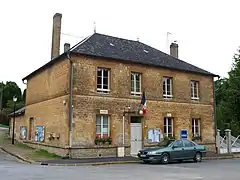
x=118 y=160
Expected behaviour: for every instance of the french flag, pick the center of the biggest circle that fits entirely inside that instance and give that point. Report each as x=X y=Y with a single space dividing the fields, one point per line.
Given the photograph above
x=143 y=102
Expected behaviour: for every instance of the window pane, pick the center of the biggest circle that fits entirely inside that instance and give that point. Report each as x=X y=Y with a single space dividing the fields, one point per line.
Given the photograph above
x=105 y=73
x=98 y=121
x=138 y=87
x=137 y=76
x=99 y=81
x=196 y=130
x=132 y=86
x=196 y=122
x=165 y=129
x=165 y=121
x=105 y=86
x=105 y=120
x=99 y=72
x=98 y=130
x=169 y=121
x=132 y=76
x=169 y=129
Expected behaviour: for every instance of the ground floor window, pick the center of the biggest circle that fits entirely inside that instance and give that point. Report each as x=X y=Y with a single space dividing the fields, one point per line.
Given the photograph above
x=168 y=126
x=196 y=127
x=102 y=126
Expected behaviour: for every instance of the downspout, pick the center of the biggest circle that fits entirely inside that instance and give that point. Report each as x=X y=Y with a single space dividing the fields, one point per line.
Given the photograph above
x=214 y=109
x=70 y=102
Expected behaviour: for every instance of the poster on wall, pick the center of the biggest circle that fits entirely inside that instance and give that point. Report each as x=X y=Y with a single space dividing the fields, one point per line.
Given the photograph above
x=39 y=134
x=23 y=132
x=154 y=135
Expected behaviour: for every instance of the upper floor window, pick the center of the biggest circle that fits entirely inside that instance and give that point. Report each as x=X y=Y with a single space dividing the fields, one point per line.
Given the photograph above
x=196 y=127
x=135 y=84
x=167 y=87
x=168 y=126
x=194 y=90
x=103 y=80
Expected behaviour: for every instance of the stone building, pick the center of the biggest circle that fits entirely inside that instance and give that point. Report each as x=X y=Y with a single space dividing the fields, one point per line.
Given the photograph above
x=86 y=102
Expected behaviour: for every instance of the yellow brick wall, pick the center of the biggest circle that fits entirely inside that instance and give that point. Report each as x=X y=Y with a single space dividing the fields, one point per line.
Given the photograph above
x=87 y=101
x=47 y=102
x=50 y=83
x=53 y=115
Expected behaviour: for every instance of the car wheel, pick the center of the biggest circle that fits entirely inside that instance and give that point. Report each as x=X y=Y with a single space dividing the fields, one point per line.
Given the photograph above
x=165 y=158
x=198 y=157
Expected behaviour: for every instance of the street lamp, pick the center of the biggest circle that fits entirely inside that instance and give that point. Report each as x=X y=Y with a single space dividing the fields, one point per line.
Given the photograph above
x=13 y=129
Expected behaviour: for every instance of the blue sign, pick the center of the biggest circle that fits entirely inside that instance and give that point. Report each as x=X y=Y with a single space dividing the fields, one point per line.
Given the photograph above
x=183 y=134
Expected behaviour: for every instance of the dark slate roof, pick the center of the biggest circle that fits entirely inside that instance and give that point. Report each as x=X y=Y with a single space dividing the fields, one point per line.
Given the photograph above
x=132 y=51
x=100 y=45
x=18 y=112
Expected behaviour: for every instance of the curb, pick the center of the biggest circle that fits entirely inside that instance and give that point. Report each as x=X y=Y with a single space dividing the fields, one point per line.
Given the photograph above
x=94 y=164
x=128 y=162
x=221 y=157
x=17 y=156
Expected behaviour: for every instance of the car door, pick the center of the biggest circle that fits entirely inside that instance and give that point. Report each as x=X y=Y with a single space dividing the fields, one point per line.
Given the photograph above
x=177 y=151
x=189 y=149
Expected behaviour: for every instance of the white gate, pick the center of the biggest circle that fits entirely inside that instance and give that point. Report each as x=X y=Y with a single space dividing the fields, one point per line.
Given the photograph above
x=235 y=144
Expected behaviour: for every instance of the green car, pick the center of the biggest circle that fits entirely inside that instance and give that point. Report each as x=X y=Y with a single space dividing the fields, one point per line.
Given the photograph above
x=179 y=150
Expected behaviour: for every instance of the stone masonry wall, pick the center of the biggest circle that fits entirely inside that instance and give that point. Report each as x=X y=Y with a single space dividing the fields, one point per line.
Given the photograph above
x=87 y=102
x=50 y=83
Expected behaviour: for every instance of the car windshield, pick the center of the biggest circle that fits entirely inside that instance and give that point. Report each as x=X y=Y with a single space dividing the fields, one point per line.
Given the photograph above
x=165 y=143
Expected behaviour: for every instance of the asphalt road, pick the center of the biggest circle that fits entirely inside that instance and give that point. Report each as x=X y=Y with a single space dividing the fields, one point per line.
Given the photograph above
x=11 y=169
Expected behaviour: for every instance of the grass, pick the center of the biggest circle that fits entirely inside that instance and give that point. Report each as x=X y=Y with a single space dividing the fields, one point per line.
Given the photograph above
x=4 y=126
x=26 y=151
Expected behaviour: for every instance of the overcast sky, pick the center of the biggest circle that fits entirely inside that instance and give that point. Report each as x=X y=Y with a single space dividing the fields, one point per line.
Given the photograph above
x=207 y=31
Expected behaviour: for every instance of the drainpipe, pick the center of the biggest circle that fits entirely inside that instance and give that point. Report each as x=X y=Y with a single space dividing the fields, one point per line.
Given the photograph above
x=214 y=109
x=70 y=101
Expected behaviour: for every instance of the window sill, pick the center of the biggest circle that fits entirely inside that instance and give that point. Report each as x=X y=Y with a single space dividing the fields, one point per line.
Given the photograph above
x=195 y=99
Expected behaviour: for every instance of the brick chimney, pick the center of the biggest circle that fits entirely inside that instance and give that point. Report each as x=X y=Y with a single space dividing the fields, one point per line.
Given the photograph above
x=56 y=33
x=174 y=49
x=66 y=47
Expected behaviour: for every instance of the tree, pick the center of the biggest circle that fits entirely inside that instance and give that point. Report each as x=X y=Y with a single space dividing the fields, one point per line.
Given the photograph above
x=227 y=93
x=10 y=89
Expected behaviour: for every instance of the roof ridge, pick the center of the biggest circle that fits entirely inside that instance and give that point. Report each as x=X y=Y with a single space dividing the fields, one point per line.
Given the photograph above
x=120 y=38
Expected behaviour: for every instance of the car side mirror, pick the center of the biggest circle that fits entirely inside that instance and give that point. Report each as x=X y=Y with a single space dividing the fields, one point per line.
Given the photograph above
x=174 y=146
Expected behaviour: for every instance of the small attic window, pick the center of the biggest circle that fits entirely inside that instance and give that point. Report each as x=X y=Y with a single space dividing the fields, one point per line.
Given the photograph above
x=112 y=44
x=145 y=51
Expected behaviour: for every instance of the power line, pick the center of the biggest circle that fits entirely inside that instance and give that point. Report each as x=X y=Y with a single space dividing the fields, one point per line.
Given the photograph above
x=66 y=34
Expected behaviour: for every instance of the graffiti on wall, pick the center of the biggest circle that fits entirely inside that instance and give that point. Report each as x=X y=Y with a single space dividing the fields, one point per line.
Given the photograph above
x=39 y=134
x=23 y=132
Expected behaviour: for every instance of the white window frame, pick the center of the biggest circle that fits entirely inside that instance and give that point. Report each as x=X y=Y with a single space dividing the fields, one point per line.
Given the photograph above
x=134 y=92
x=166 y=95
x=194 y=95
x=194 y=126
x=102 y=90
x=101 y=125
x=167 y=126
